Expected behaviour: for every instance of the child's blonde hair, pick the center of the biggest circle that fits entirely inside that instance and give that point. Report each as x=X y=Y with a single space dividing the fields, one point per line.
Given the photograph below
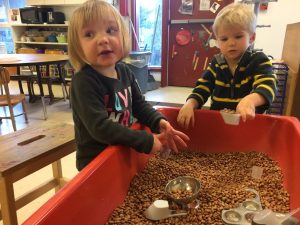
x=236 y=14
x=92 y=10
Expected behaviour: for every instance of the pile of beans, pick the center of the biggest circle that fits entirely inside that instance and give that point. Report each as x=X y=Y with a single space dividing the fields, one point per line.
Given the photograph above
x=178 y=194
x=223 y=176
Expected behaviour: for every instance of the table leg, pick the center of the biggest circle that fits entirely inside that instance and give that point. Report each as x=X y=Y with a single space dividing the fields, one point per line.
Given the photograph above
x=57 y=174
x=7 y=200
x=39 y=80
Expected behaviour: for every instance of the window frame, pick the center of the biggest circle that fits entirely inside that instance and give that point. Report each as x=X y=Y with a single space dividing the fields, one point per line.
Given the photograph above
x=134 y=18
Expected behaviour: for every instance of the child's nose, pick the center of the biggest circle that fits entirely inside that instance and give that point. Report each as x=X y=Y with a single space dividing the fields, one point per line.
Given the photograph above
x=102 y=39
x=231 y=42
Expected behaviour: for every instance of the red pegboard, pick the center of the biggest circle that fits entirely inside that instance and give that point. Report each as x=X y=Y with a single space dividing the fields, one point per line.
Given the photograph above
x=183 y=69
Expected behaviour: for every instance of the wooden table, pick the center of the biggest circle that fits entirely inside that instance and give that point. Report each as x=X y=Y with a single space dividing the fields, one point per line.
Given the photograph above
x=26 y=151
x=37 y=60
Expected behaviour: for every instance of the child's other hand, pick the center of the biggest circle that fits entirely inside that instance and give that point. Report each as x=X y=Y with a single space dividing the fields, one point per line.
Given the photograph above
x=157 y=144
x=171 y=138
x=186 y=114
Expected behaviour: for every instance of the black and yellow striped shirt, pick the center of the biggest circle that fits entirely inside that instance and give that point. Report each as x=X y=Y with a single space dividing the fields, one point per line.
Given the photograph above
x=252 y=75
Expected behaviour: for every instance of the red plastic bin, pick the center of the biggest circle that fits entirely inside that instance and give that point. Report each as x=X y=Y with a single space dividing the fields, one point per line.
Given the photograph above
x=92 y=195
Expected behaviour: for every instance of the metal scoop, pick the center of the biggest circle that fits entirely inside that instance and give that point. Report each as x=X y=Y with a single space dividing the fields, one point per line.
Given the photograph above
x=268 y=217
x=159 y=210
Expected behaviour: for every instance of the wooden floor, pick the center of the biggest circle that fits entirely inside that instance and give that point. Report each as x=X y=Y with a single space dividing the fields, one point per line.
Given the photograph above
x=60 y=111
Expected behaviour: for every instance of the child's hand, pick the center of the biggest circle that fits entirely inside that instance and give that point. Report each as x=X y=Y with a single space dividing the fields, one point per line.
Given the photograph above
x=171 y=138
x=246 y=107
x=157 y=144
x=186 y=114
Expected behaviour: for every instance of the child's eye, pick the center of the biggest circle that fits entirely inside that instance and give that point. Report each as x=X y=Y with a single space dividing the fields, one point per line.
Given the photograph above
x=88 y=34
x=112 y=30
x=223 y=39
x=239 y=36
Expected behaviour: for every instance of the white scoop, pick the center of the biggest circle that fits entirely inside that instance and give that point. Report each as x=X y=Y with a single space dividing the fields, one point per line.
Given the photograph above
x=230 y=118
x=159 y=210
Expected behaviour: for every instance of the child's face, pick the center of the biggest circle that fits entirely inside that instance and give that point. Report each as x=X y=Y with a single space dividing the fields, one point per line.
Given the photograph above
x=101 y=43
x=233 y=42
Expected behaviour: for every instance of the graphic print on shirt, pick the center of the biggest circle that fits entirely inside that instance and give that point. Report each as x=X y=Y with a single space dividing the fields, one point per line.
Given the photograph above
x=119 y=107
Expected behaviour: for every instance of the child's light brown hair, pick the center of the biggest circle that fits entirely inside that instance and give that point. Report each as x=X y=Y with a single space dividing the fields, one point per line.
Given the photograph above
x=92 y=10
x=236 y=14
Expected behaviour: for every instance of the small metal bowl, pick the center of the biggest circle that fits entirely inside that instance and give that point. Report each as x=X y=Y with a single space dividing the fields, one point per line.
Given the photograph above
x=184 y=184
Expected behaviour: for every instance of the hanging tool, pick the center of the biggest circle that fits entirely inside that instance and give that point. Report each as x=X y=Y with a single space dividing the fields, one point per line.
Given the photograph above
x=205 y=42
x=183 y=37
x=193 y=32
x=205 y=63
x=173 y=51
x=206 y=29
x=196 y=59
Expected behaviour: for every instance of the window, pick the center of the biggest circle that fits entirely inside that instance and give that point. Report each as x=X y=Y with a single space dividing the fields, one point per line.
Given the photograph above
x=6 y=42
x=149 y=28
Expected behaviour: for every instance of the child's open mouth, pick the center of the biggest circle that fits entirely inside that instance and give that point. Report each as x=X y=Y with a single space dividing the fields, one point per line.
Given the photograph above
x=106 y=52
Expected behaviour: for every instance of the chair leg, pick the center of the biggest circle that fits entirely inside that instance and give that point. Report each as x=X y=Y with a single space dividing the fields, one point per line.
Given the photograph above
x=32 y=96
x=29 y=89
x=24 y=111
x=51 y=95
x=12 y=117
x=70 y=102
x=20 y=86
x=64 y=91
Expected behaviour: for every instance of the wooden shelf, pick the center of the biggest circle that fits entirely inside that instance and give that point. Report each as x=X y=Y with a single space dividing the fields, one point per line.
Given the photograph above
x=40 y=43
x=38 y=25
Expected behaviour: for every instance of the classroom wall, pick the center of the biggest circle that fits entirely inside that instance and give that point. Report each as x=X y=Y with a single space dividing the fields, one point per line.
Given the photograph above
x=278 y=15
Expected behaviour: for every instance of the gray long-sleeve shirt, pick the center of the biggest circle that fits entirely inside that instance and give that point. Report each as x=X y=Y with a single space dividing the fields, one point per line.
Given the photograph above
x=104 y=109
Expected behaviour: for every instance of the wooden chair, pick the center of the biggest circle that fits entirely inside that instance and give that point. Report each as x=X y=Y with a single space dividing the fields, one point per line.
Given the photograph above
x=8 y=100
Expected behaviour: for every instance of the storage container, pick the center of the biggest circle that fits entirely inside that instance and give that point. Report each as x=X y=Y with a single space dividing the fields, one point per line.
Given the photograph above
x=92 y=195
x=281 y=71
x=138 y=63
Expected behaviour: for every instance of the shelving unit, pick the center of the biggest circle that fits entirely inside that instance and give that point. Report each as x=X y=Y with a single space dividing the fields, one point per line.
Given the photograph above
x=54 y=2
x=65 y=6
x=39 y=43
x=19 y=29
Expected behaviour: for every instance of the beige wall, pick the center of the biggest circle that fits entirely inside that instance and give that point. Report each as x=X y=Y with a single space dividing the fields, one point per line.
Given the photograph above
x=278 y=15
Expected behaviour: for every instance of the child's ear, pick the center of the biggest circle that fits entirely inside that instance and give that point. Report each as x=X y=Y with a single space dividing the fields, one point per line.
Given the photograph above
x=252 y=38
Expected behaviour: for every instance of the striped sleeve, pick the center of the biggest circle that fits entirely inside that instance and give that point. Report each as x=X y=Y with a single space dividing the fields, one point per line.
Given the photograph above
x=265 y=81
x=204 y=86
